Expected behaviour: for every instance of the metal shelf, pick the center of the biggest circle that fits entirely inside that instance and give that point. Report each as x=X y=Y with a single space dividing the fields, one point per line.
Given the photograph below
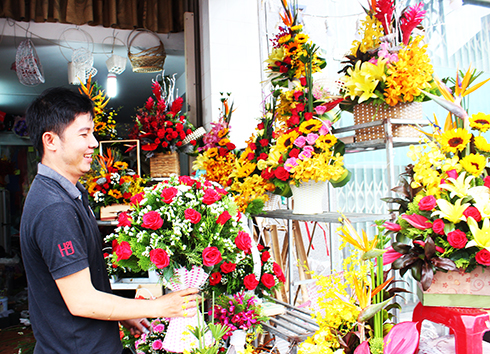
x=327 y=216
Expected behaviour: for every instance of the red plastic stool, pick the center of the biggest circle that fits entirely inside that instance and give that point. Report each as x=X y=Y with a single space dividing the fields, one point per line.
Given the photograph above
x=467 y=324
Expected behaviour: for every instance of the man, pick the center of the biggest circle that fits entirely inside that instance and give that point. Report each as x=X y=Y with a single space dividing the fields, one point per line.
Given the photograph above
x=72 y=308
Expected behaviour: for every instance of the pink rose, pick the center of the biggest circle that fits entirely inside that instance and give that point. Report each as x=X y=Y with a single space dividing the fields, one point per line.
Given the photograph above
x=123 y=251
x=304 y=155
x=243 y=241
x=188 y=181
x=152 y=220
x=300 y=141
x=483 y=257
x=290 y=163
x=223 y=218
x=457 y=239
x=159 y=258
x=309 y=148
x=268 y=280
x=427 y=203
x=472 y=212
x=157 y=345
x=452 y=174
x=320 y=110
x=311 y=138
x=211 y=256
x=192 y=215
x=168 y=194
x=228 y=267
x=210 y=196
x=136 y=199
x=250 y=282
x=124 y=219
x=438 y=226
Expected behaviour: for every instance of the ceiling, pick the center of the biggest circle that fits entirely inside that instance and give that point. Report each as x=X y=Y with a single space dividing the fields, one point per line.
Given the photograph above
x=54 y=44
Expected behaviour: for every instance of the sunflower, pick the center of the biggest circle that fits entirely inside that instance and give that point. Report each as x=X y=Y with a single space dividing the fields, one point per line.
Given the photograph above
x=292 y=48
x=285 y=141
x=212 y=152
x=480 y=121
x=121 y=165
x=474 y=163
x=301 y=38
x=454 y=140
x=223 y=142
x=325 y=142
x=482 y=144
x=309 y=126
x=284 y=39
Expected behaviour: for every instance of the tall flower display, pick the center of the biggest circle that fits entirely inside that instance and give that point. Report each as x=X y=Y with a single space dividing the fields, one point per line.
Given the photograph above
x=389 y=64
x=444 y=219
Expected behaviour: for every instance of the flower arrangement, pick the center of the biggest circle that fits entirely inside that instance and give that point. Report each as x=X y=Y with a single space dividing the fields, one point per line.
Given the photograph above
x=241 y=311
x=152 y=341
x=159 y=125
x=352 y=308
x=110 y=181
x=444 y=217
x=389 y=64
x=104 y=118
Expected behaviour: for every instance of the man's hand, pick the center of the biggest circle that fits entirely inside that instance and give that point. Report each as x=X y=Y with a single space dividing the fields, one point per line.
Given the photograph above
x=136 y=326
x=180 y=303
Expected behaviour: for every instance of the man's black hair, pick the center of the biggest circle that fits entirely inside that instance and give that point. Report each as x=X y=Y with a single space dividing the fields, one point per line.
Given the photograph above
x=54 y=110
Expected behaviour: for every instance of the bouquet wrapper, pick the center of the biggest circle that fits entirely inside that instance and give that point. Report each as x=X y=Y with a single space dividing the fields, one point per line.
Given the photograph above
x=178 y=337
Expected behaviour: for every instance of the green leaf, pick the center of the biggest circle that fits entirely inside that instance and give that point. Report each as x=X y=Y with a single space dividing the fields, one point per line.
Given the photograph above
x=371 y=310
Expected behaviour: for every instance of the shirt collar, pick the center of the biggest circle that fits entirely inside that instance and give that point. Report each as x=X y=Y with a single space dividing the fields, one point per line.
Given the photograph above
x=73 y=191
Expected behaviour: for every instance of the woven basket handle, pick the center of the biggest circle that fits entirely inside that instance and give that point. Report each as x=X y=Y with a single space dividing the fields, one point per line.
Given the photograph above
x=136 y=32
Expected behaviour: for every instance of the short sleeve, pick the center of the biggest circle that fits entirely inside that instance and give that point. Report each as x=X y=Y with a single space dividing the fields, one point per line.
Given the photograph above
x=61 y=240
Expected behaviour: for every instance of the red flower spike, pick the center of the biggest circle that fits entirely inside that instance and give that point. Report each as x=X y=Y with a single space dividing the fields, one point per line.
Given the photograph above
x=384 y=13
x=411 y=19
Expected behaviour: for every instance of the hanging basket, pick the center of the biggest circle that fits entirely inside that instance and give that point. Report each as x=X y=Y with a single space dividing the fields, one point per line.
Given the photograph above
x=164 y=164
x=308 y=197
x=148 y=60
x=368 y=112
x=27 y=64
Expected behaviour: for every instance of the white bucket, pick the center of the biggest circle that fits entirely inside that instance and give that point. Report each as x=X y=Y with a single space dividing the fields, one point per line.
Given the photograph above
x=308 y=197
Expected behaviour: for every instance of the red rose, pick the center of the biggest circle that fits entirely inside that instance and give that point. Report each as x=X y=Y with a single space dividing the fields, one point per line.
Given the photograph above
x=483 y=257
x=267 y=174
x=268 y=280
x=260 y=247
x=230 y=146
x=222 y=152
x=302 y=80
x=152 y=220
x=210 y=196
x=243 y=241
x=294 y=152
x=159 y=257
x=281 y=173
x=262 y=156
x=124 y=219
x=137 y=198
x=287 y=60
x=300 y=107
x=473 y=213
x=276 y=268
x=214 y=278
x=308 y=115
x=250 y=282
x=168 y=194
x=293 y=120
x=457 y=239
x=260 y=126
x=438 y=226
x=427 y=203
x=250 y=156
x=188 y=181
x=192 y=215
x=115 y=244
x=264 y=142
x=211 y=256
x=252 y=146
x=228 y=267
x=486 y=180
x=223 y=218
x=123 y=251
x=265 y=256
x=283 y=69
x=127 y=195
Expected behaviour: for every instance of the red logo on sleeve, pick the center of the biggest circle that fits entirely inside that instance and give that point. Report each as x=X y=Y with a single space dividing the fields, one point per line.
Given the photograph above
x=66 y=249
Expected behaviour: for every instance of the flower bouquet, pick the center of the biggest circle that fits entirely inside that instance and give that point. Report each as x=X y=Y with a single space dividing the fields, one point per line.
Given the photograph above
x=444 y=218
x=159 y=125
x=104 y=118
x=389 y=65
x=110 y=181
x=238 y=312
x=152 y=341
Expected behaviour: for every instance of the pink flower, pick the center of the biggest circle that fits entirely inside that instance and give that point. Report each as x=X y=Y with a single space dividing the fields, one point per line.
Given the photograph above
x=168 y=194
x=320 y=110
x=452 y=174
x=457 y=239
x=290 y=163
x=123 y=251
x=152 y=220
x=363 y=348
x=124 y=219
x=300 y=141
x=192 y=215
x=410 y=19
x=159 y=328
x=438 y=226
x=303 y=155
x=390 y=255
x=418 y=221
x=403 y=338
x=223 y=218
x=210 y=196
x=427 y=203
x=311 y=138
x=157 y=345
x=392 y=226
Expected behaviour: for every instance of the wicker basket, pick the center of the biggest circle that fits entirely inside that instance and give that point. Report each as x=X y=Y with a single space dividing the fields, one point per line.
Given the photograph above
x=164 y=164
x=149 y=60
x=368 y=112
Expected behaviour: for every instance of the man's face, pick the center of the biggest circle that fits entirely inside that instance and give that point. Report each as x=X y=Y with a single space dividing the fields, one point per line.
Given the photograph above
x=76 y=146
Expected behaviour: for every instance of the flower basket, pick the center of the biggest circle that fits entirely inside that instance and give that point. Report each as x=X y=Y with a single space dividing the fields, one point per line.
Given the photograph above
x=458 y=289
x=368 y=112
x=308 y=197
x=148 y=60
x=164 y=164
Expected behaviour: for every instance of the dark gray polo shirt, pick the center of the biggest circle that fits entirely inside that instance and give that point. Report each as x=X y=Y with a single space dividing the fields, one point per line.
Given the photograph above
x=59 y=237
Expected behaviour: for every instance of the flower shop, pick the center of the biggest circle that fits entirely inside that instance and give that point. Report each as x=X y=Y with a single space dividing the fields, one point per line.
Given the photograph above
x=321 y=177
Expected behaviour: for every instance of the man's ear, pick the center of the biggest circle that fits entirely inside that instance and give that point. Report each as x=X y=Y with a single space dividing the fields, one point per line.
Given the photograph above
x=50 y=141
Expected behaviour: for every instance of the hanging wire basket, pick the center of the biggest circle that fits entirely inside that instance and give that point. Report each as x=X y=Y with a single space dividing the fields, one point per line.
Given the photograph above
x=28 y=66
x=148 y=60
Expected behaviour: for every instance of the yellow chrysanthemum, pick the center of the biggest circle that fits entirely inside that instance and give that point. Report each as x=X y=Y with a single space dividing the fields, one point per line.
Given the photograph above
x=285 y=141
x=309 y=126
x=482 y=144
x=455 y=140
x=474 y=164
x=480 y=121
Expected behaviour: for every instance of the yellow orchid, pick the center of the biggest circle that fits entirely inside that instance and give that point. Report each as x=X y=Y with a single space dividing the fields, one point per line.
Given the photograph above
x=481 y=237
x=451 y=212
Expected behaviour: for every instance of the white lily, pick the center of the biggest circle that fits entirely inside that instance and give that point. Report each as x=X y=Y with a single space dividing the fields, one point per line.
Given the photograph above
x=460 y=186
